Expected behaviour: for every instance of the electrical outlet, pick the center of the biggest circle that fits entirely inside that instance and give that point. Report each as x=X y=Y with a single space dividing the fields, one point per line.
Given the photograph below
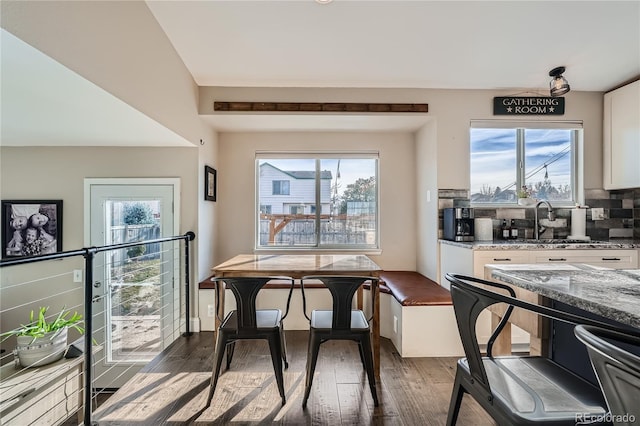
x=211 y=310
x=395 y=324
x=77 y=275
x=597 y=213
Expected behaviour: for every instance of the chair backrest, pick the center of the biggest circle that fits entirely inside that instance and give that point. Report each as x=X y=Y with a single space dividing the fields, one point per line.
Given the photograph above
x=342 y=289
x=469 y=300
x=617 y=369
x=245 y=290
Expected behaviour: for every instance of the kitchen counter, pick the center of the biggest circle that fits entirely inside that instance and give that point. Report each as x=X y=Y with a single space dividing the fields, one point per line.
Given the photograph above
x=545 y=244
x=609 y=293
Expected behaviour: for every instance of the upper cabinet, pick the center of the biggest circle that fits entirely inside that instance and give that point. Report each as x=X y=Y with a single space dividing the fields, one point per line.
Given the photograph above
x=622 y=137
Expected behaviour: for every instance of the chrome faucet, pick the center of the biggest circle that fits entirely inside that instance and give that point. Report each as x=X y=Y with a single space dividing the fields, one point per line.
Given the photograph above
x=537 y=228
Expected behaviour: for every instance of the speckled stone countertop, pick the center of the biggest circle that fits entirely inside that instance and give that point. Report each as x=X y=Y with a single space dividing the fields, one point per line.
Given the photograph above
x=545 y=244
x=610 y=293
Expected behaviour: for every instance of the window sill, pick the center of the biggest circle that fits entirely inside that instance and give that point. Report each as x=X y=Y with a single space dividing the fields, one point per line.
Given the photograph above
x=314 y=250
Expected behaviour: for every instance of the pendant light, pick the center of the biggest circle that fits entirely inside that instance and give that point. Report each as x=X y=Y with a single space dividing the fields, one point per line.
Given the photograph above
x=559 y=85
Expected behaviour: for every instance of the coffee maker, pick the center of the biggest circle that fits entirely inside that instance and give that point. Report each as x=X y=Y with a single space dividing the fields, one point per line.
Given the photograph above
x=458 y=224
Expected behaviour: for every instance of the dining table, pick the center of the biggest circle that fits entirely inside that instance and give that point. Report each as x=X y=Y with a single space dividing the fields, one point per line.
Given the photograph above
x=297 y=266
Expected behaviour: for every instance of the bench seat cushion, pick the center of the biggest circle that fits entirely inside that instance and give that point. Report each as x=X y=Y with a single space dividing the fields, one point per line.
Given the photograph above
x=411 y=288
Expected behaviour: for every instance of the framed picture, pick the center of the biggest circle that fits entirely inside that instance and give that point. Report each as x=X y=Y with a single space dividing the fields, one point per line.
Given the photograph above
x=31 y=227
x=210 y=183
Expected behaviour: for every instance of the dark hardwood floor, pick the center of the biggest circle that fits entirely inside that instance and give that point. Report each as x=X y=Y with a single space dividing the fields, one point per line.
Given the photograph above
x=172 y=390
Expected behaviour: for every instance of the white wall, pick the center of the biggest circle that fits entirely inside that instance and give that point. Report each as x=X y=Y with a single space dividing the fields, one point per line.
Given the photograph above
x=397 y=187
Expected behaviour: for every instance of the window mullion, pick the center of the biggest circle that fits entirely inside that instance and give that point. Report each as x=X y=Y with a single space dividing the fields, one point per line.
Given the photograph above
x=520 y=160
x=318 y=181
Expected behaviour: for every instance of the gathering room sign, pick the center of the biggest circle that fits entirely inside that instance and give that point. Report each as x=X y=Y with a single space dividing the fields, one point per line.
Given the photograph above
x=521 y=105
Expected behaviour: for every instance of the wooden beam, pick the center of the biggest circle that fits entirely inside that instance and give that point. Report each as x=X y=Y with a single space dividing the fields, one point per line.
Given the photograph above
x=319 y=107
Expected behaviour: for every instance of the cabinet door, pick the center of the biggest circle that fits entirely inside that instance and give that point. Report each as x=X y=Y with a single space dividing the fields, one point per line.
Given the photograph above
x=622 y=137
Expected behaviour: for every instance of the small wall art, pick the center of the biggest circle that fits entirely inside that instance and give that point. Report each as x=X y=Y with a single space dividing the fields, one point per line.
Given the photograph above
x=210 y=183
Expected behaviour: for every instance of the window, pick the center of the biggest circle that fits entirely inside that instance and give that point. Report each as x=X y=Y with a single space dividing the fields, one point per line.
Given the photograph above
x=265 y=209
x=537 y=158
x=280 y=187
x=328 y=202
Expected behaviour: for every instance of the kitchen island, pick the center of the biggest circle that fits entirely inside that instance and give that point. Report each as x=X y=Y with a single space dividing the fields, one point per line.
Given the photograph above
x=599 y=293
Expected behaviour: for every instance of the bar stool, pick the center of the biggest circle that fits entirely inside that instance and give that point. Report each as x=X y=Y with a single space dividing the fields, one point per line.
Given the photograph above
x=247 y=322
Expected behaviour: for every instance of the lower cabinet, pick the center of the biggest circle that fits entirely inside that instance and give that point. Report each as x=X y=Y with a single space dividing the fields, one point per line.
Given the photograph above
x=526 y=331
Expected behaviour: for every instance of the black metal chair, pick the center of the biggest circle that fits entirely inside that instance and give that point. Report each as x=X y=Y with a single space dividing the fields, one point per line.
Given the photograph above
x=247 y=322
x=617 y=369
x=340 y=323
x=516 y=390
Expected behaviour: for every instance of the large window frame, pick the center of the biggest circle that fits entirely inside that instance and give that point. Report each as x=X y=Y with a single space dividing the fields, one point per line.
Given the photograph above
x=520 y=127
x=312 y=212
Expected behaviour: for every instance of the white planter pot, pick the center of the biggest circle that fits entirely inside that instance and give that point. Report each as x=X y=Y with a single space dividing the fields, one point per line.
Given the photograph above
x=527 y=201
x=43 y=350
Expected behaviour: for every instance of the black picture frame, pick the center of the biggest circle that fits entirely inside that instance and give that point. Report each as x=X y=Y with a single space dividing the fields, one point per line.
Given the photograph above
x=25 y=234
x=210 y=183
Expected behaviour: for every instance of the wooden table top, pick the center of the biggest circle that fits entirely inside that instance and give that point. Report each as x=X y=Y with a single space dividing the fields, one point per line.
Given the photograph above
x=297 y=265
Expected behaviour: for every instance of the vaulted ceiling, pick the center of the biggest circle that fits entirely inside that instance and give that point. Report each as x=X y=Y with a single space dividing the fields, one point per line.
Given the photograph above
x=495 y=45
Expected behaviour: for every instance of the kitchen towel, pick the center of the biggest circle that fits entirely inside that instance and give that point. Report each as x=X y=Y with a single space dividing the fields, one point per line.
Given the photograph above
x=483 y=227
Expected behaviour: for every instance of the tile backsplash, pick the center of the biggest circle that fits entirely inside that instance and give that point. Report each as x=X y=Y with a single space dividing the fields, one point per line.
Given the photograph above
x=621 y=218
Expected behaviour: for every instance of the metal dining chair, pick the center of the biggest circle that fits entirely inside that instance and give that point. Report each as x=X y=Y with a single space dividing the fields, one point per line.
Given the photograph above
x=516 y=390
x=340 y=323
x=247 y=322
x=617 y=369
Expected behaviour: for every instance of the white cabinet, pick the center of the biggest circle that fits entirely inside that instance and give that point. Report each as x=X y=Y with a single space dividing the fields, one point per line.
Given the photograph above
x=621 y=137
x=614 y=259
x=483 y=257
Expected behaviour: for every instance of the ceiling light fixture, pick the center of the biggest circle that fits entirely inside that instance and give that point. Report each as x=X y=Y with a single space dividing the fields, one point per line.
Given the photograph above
x=324 y=1
x=559 y=85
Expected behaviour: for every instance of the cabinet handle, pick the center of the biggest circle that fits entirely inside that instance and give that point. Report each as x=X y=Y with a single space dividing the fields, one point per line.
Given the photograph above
x=506 y=259
x=612 y=258
x=557 y=259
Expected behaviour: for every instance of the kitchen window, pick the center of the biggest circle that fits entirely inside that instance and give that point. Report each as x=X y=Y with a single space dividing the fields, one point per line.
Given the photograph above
x=509 y=159
x=330 y=202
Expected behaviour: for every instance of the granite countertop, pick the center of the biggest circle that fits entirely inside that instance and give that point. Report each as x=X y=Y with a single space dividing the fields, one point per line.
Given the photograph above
x=545 y=244
x=610 y=293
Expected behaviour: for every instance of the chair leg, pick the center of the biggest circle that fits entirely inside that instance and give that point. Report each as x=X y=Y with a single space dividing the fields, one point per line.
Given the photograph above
x=221 y=343
x=231 y=347
x=367 y=352
x=456 y=400
x=275 y=345
x=312 y=359
x=284 y=347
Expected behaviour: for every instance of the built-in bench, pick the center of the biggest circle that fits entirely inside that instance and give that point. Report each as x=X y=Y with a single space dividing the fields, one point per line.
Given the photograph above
x=416 y=313
x=421 y=322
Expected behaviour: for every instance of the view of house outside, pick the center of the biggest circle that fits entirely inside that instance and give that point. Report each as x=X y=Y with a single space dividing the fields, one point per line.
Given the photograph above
x=289 y=212
x=510 y=163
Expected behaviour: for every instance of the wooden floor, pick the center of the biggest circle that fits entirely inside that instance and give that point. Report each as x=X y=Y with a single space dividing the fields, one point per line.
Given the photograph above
x=173 y=389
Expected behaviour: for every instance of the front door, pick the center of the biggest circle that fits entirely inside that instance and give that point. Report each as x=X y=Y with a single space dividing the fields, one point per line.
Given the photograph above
x=136 y=293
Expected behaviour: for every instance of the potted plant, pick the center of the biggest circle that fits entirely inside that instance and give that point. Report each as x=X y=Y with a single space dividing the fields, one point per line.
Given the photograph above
x=41 y=341
x=524 y=196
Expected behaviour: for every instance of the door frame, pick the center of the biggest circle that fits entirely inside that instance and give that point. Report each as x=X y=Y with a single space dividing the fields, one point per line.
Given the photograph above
x=88 y=182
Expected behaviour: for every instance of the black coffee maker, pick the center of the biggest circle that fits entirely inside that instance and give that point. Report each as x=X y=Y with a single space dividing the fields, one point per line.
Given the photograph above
x=458 y=224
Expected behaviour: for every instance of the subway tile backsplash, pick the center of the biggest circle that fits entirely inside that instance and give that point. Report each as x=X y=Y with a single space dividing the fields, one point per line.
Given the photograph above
x=621 y=214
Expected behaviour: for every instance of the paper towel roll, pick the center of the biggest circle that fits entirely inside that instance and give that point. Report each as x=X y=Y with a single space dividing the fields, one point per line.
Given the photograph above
x=578 y=224
x=483 y=229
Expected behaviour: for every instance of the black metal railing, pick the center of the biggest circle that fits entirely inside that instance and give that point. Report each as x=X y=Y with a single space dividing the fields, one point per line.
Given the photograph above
x=89 y=256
